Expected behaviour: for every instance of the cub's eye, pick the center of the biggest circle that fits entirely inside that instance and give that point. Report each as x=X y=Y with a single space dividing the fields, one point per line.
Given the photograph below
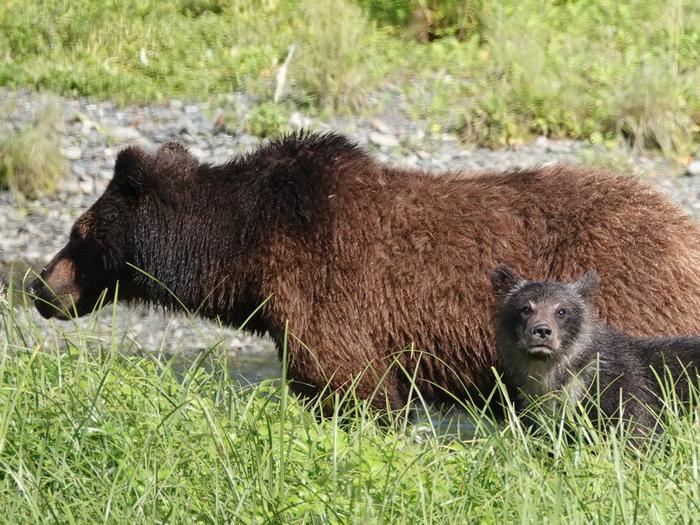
x=561 y=312
x=525 y=310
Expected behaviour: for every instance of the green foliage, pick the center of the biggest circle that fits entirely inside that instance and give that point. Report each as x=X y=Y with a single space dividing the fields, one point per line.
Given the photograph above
x=613 y=160
x=429 y=18
x=334 y=45
x=88 y=434
x=267 y=120
x=31 y=161
x=577 y=69
x=497 y=72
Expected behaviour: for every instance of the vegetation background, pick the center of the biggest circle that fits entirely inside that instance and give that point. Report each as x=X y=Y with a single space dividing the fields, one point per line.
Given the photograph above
x=493 y=72
x=91 y=433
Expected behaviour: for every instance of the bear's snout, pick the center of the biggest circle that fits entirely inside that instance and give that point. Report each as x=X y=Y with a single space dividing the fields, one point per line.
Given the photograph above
x=55 y=291
x=43 y=304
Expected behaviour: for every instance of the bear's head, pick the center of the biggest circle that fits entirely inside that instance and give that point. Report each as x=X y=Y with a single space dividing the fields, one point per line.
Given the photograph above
x=541 y=320
x=99 y=253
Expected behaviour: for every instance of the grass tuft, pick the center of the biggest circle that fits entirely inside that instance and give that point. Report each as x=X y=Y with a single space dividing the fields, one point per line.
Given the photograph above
x=267 y=120
x=31 y=162
x=332 y=67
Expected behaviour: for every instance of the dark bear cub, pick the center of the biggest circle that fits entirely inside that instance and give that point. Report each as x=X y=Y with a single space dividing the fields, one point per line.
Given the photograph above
x=550 y=341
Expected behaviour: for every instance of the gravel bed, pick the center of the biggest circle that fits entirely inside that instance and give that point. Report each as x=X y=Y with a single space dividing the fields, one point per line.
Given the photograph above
x=93 y=132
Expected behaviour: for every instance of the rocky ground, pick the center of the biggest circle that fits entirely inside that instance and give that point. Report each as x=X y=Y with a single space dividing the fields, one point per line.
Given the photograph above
x=93 y=132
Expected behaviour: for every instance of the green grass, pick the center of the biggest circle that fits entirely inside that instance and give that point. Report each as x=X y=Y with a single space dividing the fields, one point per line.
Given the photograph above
x=498 y=73
x=31 y=162
x=89 y=433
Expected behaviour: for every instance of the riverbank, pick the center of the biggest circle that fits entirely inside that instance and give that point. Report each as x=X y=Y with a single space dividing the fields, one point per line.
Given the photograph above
x=91 y=134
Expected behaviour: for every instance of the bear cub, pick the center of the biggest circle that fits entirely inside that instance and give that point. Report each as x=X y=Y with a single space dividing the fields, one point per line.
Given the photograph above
x=550 y=341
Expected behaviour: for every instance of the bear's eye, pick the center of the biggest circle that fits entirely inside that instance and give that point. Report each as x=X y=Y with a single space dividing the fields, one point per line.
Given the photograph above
x=561 y=312
x=525 y=309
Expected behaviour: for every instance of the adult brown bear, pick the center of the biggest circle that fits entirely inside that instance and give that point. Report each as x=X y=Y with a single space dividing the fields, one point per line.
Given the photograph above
x=365 y=260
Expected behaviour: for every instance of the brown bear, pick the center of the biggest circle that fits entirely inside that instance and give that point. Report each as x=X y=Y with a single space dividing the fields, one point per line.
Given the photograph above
x=550 y=341
x=382 y=273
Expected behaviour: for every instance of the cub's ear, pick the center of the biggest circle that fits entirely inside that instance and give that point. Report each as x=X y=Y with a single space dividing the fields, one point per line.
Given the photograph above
x=503 y=280
x=131 y=169
x=587 y=286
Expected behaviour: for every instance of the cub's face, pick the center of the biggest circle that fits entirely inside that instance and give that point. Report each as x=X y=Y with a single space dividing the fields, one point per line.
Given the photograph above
x=540 y=320
x=96 y=257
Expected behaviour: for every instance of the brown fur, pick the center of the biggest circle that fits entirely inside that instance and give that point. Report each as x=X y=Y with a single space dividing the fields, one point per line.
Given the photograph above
x=365 y=259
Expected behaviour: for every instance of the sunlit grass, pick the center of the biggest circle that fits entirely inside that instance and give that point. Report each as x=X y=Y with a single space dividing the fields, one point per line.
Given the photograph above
x=31 y=162
x=90 y=432
x=500 y=72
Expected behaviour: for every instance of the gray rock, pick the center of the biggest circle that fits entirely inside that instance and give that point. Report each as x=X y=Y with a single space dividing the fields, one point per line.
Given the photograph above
x=72 y=152
x=449 y=137
x=381 y=126
x=299 y=121
x=68 y=185
x=200 y=153
x=381 y=139
x=248 y=140
x=559 y=146
x=693 y=168
x=124 y=134
x=100 y=185
x=87 y=186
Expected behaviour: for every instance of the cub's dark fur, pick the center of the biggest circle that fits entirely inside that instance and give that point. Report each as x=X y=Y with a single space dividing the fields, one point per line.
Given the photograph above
x=550 y=340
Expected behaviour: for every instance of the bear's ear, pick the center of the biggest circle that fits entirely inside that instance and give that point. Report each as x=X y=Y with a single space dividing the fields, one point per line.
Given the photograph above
x=131 y=169
x=176 y=160
x=177 y=149
x=587 y=286
x=503 y=280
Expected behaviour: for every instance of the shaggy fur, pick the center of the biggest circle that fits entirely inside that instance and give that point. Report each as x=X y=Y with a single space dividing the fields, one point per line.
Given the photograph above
x=549 y=340
x=365 y=259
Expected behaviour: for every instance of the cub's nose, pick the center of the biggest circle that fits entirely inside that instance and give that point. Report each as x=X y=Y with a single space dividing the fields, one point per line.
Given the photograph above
x=541 y=331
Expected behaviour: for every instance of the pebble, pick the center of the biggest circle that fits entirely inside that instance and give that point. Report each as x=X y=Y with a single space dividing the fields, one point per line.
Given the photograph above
x=124 y=134
x=381 y=126
x=199 y=153
x=541 y=141
x=72 y=152
x=693 y=168
x=380 y=139
x=67 y=184
x=101 y=185
x=248 y=140
x=411 y=159
x=87 y=186
x=299 y=121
